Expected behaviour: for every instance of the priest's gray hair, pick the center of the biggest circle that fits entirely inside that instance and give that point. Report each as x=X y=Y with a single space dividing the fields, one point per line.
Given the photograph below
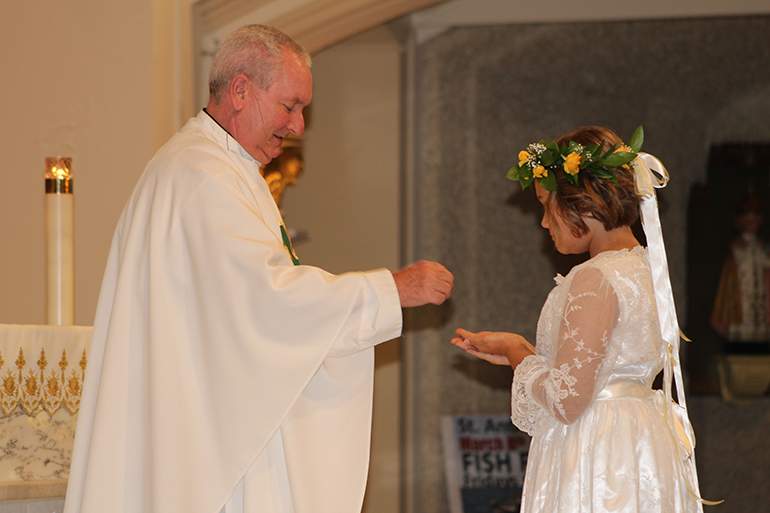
x=256 y=51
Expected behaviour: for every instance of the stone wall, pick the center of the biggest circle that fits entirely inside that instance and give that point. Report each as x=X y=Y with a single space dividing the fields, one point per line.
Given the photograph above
x=483 y=94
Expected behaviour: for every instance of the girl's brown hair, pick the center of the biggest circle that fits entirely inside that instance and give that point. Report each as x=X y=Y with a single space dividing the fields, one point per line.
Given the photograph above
x=612 y=204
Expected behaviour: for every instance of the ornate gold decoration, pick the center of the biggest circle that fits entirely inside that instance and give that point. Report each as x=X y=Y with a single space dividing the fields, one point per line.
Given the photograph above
x=285 y=169
x=32 y=386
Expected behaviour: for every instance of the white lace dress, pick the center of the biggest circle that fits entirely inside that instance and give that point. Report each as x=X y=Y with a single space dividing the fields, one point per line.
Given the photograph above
x=600 y=443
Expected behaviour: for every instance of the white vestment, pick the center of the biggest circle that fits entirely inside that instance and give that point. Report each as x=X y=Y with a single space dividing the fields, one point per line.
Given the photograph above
x=219 y=372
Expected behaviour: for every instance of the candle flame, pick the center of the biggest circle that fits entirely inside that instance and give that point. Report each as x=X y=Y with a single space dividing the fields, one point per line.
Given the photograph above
x=58 y=168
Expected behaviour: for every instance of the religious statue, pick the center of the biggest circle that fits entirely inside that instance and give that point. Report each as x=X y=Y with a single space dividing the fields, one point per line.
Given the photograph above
x=740 y=311
x=285 y=169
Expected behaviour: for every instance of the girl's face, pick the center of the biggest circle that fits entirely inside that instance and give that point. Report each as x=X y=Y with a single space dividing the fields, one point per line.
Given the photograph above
x=566 y=243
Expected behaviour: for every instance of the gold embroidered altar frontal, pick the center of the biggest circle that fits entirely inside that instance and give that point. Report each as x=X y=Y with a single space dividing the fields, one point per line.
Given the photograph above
x=42 y=366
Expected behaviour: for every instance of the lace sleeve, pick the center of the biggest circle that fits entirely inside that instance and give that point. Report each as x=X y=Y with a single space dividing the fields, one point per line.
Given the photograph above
x=527 y=414
x=564 y=385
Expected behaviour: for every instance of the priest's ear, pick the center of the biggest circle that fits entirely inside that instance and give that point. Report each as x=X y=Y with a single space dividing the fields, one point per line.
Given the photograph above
x=240 y=89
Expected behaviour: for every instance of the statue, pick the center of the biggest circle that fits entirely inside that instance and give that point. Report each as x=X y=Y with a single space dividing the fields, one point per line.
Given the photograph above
x=284 y=170
x=740 y=311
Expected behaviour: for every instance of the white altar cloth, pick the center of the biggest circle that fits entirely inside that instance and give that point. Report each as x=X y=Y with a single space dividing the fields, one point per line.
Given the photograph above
x=41 y=379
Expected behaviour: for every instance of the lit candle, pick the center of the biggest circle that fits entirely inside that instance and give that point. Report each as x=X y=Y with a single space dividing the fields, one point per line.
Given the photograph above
x=59 y=241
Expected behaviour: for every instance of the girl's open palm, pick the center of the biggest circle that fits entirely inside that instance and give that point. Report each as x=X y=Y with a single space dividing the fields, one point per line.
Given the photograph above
x=496 y=347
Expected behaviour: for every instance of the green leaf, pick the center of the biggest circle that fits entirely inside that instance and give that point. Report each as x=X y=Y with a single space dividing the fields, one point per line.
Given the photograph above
x=603 y=173
x=607 y=153
x=526 y=182
x=549 y=182
x=547 y=159
x=626 y=154
x=593 y=167
x=513 y=173
x=592 y=150
x=617 y=159
x=637 y=139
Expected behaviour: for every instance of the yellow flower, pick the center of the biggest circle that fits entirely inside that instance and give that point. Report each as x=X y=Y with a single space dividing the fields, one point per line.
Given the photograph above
x=523 y=157
x=572 y=164
x=540 y=172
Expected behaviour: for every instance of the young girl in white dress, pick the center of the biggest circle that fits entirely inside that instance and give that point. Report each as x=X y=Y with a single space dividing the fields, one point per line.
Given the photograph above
x=602 y=439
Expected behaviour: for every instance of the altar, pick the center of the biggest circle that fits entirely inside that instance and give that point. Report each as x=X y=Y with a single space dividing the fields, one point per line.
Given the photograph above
x=41 y=381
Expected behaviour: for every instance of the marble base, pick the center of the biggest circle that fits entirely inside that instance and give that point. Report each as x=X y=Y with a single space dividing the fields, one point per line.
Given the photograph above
x=35 y=454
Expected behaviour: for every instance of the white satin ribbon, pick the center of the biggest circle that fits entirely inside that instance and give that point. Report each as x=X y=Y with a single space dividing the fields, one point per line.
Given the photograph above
x=679 y=426
x=624 y=388
x=651 y=174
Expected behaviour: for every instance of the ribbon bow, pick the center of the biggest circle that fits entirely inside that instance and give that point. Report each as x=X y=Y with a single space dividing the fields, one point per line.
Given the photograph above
x=645 y=178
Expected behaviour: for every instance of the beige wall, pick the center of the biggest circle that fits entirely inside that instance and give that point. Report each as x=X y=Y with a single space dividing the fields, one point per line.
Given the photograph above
x=347 y=198
x=105 y=83
x=104 y=93
x=77 y=81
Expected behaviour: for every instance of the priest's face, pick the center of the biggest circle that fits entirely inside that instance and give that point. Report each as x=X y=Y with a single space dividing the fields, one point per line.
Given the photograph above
x=272 y=114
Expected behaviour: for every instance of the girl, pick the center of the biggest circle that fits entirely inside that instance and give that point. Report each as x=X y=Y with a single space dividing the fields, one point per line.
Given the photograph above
x=602 y=439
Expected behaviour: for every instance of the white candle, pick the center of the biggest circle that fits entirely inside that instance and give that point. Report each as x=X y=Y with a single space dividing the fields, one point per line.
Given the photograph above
x=59 y=241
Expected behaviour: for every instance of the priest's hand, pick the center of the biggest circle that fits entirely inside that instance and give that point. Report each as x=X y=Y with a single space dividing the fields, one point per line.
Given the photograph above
x=422 y=283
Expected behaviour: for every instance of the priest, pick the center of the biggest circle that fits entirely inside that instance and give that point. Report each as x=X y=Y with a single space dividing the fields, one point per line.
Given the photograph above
x=223 y=375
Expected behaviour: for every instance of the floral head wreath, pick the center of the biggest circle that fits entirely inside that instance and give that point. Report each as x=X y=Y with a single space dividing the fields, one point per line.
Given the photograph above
x=539 y=161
